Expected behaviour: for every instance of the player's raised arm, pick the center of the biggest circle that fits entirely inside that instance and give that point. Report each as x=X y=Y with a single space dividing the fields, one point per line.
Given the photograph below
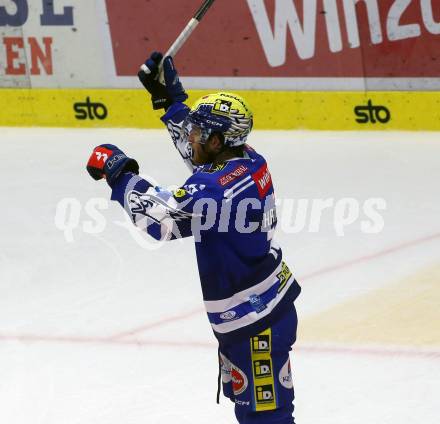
x=170 y=97
x=164 y=215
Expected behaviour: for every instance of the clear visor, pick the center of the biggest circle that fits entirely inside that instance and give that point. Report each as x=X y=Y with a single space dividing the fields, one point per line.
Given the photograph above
x=191 y=133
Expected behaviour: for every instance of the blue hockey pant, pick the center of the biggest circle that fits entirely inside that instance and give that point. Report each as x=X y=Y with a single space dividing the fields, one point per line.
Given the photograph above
x=256 y=374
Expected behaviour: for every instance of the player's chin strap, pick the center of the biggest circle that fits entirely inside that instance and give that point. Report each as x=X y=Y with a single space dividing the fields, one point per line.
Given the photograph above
x=219 y=378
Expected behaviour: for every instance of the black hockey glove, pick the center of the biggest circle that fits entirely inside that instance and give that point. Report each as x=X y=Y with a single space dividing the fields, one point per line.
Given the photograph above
x=148 y=77
x=162 y=96
x=174 y=87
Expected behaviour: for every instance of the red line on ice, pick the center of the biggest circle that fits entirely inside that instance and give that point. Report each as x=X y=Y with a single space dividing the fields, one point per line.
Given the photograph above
x=370 y=257
x=322 y=271
x=300 y=348
x=116 y=338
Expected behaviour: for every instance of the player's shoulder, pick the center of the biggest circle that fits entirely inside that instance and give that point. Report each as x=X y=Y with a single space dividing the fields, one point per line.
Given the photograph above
x=242 y=169
x=225 y=174
x=201 y=184
x=224 y=178
x=233 y=169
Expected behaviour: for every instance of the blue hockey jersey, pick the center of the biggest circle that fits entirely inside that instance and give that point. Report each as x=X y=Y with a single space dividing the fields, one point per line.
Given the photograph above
x=230 y=211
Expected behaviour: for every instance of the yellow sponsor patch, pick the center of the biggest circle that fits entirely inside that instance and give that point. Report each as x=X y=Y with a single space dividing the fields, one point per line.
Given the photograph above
x=284 y=276
x=216 y=168
x=180 y=193
x=262 y=369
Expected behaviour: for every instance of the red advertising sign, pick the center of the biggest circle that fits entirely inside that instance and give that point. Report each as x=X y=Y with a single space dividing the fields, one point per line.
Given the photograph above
x=283 y=38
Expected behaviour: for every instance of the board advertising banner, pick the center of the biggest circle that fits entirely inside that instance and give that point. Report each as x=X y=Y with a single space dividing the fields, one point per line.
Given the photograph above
x=53 y=43
x=334 y=44
x=320 y=64
x=240 y=44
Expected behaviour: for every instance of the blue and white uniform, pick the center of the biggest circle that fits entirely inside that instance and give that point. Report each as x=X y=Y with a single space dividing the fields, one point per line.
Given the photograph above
x=230 y=210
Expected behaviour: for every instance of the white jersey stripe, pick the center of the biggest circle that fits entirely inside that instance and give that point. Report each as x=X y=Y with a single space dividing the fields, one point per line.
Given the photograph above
x=252 y=317
x=218 y=306
x=239 y=191
x=229 y=191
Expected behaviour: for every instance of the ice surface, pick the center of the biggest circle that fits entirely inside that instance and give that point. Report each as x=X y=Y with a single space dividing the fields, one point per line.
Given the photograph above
x=103 y=329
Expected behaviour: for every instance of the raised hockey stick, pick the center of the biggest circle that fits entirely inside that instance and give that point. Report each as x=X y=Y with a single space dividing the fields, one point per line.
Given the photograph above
x=184 y=35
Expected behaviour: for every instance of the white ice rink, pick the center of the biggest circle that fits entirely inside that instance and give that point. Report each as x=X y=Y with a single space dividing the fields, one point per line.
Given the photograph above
x=96 y=326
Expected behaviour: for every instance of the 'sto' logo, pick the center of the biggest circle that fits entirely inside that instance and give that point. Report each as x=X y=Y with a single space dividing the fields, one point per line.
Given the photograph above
x=90 y=110
x=372 y=114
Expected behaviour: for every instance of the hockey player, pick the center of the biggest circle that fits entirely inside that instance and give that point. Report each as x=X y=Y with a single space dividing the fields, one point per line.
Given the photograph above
x=228 y=206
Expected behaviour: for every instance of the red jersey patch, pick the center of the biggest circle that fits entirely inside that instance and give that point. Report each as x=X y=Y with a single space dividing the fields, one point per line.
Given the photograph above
x=236 y=173
x=263 y=180
x=239 y=380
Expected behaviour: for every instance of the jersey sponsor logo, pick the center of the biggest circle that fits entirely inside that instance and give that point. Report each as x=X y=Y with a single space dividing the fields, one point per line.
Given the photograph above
x=141 y=203
x=262 y=371
x=236 y=173
x=261 y=343
x=239 y=380
x=179 y=193
x=265 y=394
x=228 y=315
x=257 y=303
x=194 y=188
x=285 y=375
x=284 y=276
x=215 y=168
x=188 y=189
x=263 y=180
x=262 y=368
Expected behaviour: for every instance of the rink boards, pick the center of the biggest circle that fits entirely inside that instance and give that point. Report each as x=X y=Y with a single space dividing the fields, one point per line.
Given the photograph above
x=280 y=110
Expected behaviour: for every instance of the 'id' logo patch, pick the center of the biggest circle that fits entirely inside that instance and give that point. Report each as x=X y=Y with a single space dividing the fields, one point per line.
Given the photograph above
x=265 y=397
x=262 y=368
x=261 y=343
x=265 y=394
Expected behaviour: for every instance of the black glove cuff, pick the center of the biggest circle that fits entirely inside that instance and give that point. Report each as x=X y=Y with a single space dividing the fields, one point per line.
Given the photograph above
x=96 y=173
x=159 y=95
x=160 y=102
x=131 y=166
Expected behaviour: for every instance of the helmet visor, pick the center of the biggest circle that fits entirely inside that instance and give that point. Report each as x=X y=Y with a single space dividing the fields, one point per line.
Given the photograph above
x=191 y=133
